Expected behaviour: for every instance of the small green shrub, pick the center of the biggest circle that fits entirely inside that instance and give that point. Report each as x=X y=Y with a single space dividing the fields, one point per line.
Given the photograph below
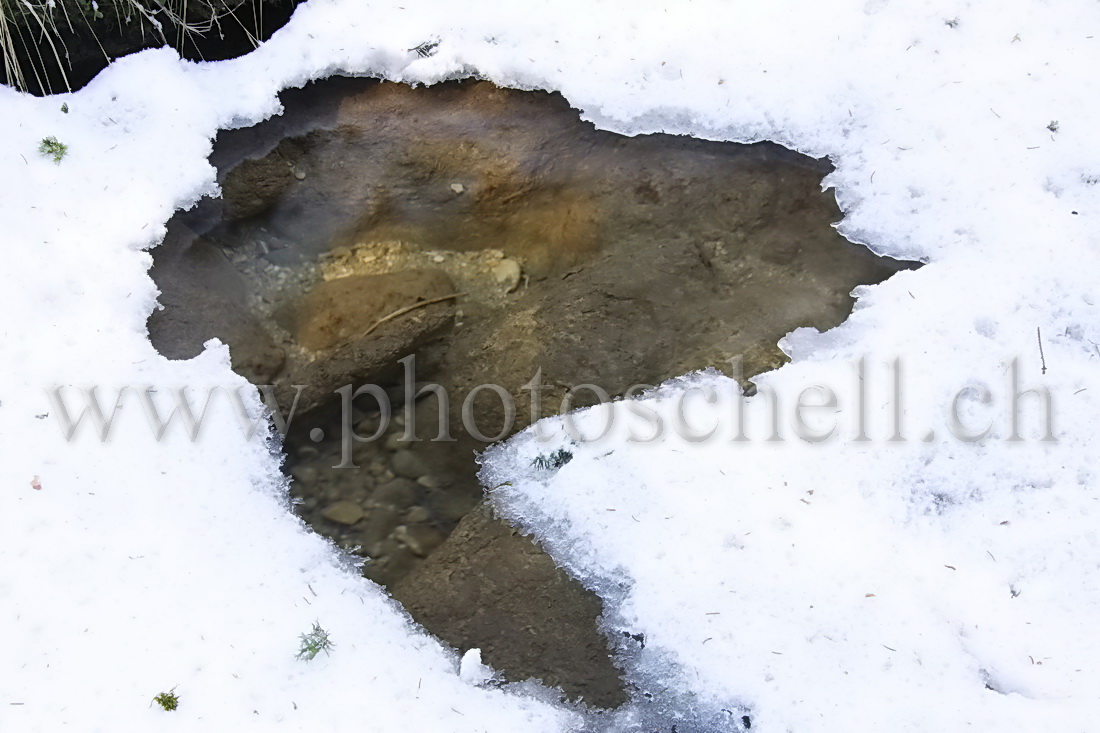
x=168 y=700
x=553 y=461
x=51 y=147
x=315 y=642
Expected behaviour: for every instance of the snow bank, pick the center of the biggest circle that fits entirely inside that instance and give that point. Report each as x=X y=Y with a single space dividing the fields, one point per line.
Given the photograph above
x=922 y=584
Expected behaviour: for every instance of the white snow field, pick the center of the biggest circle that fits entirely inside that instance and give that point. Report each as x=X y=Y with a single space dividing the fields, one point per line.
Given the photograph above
x=921 y=581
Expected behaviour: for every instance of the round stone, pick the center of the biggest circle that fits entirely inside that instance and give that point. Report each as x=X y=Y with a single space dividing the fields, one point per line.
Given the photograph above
x=317 y=435
x=420 y=538
x=343 y=512
x=400 y=493
x=408 y=464
x=429 y=481
x=507 y=273
x=305 y=474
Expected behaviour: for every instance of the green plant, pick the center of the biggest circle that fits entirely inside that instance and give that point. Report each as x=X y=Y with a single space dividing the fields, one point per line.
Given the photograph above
x=553 y=461
x=315 y=642
x=167 y=700
x=51 y=147
x=427 y=48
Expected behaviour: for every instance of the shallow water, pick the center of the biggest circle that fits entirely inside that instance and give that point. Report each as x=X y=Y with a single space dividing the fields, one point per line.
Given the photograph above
x=592 y=257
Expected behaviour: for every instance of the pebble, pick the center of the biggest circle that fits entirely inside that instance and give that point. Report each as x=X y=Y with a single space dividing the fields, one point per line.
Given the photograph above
x=448 y=506
x=400 y=493
x=367 y=428
x=420 y=538
x=401 y=562
x=408 y=464
x=418 y=514
x=395 y=443
x=380 y=523
x=458 y=187
x=439 y=259
x=507 y=273
x=343 y=512
x=305 y=474
x=429 y=481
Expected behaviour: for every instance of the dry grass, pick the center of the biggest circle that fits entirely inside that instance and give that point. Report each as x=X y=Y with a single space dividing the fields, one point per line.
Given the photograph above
x=33 y=32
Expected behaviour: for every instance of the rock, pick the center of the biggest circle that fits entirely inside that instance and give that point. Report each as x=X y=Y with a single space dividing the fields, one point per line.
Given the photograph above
x=204 y=297
x=408 y=464
x=253 y=187
x=507 y=273
x=382 y=521
x=305 y=474
x=458 y=188
x=364 y=453
x=420 y=538
x=332 y=322
x=488 y=587
x=449 y=506
x=343 y=512
x=400 y=563
x=399 y=493
x=367 y=426
x=394 y=442
x=418 y=514
x=429 y=481
x=338 y=312
x=389 y=561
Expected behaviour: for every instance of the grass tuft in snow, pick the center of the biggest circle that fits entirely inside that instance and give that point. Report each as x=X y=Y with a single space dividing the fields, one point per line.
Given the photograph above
x=427 y=48
x=51 y=147
x=552 y=461
x=168 y=700
x=315 y=642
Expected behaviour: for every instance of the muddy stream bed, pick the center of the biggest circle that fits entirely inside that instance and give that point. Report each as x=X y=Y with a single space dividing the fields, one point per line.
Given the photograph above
x=496 y=239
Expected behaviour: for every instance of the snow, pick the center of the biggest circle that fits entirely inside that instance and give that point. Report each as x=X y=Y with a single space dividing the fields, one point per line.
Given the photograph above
x=472 y=671
x=837 y=585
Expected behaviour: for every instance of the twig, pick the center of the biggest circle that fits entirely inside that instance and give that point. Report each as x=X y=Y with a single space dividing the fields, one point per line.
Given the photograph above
x=1039 y=335
x=406 y=309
